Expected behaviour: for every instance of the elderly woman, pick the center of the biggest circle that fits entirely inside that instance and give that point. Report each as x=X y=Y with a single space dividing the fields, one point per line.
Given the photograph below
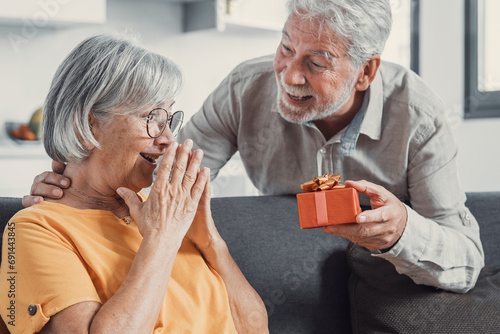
x=106 y=258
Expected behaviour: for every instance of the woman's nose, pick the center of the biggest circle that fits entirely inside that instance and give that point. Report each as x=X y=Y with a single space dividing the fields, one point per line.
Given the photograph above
x=166 y=138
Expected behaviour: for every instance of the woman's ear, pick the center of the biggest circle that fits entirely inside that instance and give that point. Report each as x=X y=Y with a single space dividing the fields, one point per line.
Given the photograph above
x=368 y=73
x=91 y=121
x=88 y=145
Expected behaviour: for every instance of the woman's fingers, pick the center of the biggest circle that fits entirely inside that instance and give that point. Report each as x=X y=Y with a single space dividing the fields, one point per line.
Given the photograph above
x=133 y=202
x=165 y=167
x=184 y=171
x=199 y=188
x=181 y=162
x=192 y=170
x=207 y=191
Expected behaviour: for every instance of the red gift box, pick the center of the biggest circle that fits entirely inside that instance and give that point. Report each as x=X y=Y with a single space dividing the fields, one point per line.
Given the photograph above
x=339 y=205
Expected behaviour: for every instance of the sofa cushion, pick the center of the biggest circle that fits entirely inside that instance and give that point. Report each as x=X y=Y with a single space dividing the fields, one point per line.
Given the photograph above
x=383 y=301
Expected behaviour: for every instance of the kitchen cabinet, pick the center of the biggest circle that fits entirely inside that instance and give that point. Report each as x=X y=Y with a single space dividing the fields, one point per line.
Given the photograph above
x=206 y=14
x=262 y=14
x=197 y=14
x=45 y=13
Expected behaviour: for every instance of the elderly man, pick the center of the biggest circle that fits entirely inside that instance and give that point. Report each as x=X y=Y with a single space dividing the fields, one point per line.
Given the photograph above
x=327 y=103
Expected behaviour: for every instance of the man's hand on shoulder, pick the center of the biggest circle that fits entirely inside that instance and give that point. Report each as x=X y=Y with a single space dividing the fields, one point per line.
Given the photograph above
x=376 y=229
x=47 y=185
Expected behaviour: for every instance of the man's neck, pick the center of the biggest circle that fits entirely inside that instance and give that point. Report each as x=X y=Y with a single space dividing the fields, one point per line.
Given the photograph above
x=333 y=124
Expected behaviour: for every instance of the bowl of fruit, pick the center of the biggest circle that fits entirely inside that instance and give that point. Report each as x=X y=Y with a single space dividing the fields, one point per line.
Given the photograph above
x=26 y=132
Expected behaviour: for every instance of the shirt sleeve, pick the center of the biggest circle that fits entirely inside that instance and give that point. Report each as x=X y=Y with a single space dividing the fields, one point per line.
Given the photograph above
x=214 y=127
x=441 y=245
x=45 y=275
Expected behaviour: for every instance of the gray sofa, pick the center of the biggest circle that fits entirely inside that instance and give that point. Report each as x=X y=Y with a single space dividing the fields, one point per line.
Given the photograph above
x=311 y=284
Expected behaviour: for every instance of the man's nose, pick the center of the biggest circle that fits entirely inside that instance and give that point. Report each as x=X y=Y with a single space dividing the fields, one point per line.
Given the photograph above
x=293 y=73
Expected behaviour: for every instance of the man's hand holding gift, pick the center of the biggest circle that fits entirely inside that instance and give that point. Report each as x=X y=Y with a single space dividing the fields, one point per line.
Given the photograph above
x=379 y=228
x=335 y=208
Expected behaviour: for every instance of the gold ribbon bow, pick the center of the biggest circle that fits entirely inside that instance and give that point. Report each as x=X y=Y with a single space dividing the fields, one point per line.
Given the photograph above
x=323 y=182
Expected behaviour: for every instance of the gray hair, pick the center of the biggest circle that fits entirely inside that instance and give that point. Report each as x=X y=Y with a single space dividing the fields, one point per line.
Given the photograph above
x=364 y=25
x=103 y=75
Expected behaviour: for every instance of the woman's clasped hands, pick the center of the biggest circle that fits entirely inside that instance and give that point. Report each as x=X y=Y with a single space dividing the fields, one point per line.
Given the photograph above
x=174 y=197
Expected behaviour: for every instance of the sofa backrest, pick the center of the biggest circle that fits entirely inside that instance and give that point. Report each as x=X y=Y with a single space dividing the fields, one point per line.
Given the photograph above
x=301 y=275
x=8 y=207
x=485 y=206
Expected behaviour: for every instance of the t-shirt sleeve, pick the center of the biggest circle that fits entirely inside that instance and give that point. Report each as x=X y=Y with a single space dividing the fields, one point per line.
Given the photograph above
x=41 y=274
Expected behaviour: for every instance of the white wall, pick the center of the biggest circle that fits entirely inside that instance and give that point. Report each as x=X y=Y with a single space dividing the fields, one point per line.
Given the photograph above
x=442 y=67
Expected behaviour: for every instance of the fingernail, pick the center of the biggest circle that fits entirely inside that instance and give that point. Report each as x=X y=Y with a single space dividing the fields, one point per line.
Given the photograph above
x=64 y=183
x=119 y=191
x=362 y=219
x=57 y=192
x=38 y=200
x=175 y=145
x=198 y=153
x=206 y=171
x=188 y=143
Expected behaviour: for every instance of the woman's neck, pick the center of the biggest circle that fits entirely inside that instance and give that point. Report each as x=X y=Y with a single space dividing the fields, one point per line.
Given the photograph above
x=89 y=191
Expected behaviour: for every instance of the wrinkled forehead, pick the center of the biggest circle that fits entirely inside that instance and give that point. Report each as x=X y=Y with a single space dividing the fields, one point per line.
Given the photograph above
x=315 y=30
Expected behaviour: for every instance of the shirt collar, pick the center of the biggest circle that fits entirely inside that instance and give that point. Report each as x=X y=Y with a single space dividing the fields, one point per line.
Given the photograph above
x=371 y=125
x=351 y=134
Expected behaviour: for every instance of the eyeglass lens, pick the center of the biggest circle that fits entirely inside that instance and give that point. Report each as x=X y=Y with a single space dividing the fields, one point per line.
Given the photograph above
x=176 y=122
x=158 y=120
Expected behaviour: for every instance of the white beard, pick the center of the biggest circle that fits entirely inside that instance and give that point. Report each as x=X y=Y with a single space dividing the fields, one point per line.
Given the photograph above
x=300 y=115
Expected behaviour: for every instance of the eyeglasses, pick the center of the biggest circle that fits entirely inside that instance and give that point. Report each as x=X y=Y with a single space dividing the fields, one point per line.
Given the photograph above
x=157 y=121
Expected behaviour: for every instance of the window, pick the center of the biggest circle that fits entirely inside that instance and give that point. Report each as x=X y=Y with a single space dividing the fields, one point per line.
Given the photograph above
x=482 y=69
x=402 y=46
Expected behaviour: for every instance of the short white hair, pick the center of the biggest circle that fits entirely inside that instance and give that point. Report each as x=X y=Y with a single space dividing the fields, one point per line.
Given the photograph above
x=103 y=75
x=364 y=25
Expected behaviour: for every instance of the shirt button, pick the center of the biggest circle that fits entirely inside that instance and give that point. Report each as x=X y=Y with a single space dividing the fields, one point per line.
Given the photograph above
x=32 y=309
x=465 y=218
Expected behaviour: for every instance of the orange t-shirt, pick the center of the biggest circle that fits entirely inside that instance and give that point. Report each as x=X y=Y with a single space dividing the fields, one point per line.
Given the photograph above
x=54 y=256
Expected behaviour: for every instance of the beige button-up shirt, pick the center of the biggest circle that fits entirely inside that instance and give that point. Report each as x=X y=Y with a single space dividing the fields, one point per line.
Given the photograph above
x=400 y=139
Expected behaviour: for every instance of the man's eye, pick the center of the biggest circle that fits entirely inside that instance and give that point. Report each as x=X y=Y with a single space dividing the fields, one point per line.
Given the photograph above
x=317 y=65
x=286 y=48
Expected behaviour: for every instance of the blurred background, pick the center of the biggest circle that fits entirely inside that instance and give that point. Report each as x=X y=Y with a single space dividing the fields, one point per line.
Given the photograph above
x=452 y=44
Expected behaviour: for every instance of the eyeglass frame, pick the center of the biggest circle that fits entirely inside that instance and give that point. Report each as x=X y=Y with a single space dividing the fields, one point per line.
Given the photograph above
x=170 y=118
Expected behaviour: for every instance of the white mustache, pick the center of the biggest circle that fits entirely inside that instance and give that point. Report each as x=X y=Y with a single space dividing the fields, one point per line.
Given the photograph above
x=298 y=91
